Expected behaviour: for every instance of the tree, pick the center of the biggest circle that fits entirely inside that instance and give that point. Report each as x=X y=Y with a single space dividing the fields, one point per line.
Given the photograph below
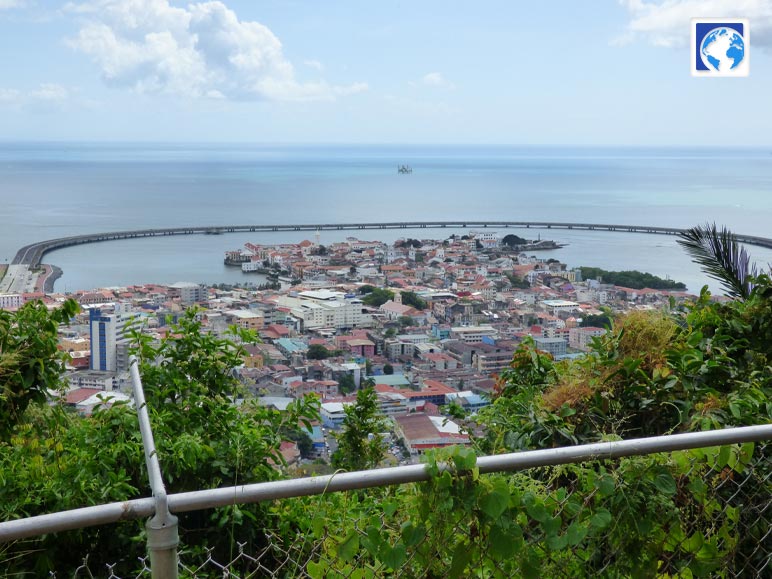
x=409 y=242
x=516 y=281
x=318 y=352
x=632 y=279
x=301 y=438
x=378 y=297
x=722 y=257
x=388 y=369
x=410 y=298
x=30 y=363
x=405 y=321
x=512 y=240
x=346 y=384
x=360 y=445
x=366 y=289
x=597 y=321
x=61 y=461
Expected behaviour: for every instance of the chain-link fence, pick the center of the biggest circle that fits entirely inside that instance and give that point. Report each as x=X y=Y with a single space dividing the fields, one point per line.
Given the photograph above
x=698 y=513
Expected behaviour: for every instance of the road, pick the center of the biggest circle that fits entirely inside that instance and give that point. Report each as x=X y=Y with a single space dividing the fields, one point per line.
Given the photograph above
x=19 y=279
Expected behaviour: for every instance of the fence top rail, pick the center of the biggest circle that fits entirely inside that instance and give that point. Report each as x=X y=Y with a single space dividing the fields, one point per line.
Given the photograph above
x=205 y=499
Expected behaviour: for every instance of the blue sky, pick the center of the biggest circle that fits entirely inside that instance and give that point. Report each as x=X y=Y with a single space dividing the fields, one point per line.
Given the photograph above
x=420 y=71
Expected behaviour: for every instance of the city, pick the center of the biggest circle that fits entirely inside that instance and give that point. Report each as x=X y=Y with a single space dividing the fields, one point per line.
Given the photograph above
x=428 y=323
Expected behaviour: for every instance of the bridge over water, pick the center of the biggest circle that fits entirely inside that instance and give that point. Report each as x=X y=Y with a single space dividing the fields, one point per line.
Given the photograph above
x=32 y=254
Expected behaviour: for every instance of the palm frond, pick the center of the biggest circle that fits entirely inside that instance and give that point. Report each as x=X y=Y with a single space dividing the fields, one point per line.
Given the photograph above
x=721 y=257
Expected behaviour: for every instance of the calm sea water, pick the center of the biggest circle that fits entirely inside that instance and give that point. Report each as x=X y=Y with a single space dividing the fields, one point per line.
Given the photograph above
x=54 y=190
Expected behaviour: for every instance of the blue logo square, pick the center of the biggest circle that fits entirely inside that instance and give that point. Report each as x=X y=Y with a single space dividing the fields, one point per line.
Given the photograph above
x=702 y=29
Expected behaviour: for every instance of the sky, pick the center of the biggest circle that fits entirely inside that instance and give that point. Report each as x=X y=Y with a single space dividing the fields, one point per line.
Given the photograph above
x=541 y=72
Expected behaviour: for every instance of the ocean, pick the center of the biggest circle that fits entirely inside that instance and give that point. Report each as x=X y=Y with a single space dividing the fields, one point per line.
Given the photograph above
x=50 y=190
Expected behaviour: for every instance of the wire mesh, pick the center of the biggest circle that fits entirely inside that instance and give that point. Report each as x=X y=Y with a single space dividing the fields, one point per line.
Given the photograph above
x=698 y=513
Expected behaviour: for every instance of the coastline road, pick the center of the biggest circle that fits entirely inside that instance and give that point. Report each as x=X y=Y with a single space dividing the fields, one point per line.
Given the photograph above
x=19 y=279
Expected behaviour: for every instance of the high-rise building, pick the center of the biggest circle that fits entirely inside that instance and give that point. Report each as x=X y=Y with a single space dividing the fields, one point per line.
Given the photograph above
x=189 y=293
x=107 y=332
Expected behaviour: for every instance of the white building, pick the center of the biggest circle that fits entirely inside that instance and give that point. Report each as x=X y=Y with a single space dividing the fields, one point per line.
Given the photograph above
x=472 y=334
x=106 y=381
x=581 y=338
x=553 y=346
x=11 y=301
x=252 y=266
x=555 y=306
x=332 y=414
x=488 y=239
x=190 y=293
x=318 y=309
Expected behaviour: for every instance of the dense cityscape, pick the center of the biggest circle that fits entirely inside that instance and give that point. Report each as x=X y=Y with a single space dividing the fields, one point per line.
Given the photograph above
x=427 y=323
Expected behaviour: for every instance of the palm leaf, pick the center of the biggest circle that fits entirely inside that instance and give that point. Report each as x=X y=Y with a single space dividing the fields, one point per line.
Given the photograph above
x=721 y=257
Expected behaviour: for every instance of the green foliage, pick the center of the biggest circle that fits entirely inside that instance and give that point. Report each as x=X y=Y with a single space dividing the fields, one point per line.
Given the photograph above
x=56 y=460
x=377 y=297
x=722 y=257
x=512 y=240
x=388 y=369
x=706 y=365
x=301 y=437
x=405 y=321
x=631 y=279
x=658 y=515
x=318 y=352
x=30 y=363
x=596 y=321
x=360 y=445
x=410 y=298
x=346 y=384
x=516 y=281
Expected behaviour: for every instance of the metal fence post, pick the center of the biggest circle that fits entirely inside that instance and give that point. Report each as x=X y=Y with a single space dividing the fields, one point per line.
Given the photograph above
x=162 y=540
x=162 y=529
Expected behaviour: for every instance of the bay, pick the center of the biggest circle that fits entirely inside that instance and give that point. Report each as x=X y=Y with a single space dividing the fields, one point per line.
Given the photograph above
x=52 y=190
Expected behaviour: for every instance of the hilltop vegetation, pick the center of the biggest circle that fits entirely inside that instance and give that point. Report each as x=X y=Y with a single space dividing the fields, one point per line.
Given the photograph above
x=632 y=279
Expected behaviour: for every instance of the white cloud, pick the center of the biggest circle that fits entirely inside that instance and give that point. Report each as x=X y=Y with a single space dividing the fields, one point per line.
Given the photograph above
x=46 y=97
x=9 y=95
x=50 y=92
x=8 y=4
x=201 y=51
x=437 y=80
x=666 y=23
x=315 y=64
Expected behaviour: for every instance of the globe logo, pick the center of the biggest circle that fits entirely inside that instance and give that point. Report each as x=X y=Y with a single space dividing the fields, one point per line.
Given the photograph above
x=722 y=49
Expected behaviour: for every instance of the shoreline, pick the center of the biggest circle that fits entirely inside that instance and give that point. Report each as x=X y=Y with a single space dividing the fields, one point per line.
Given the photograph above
x=50 y=279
